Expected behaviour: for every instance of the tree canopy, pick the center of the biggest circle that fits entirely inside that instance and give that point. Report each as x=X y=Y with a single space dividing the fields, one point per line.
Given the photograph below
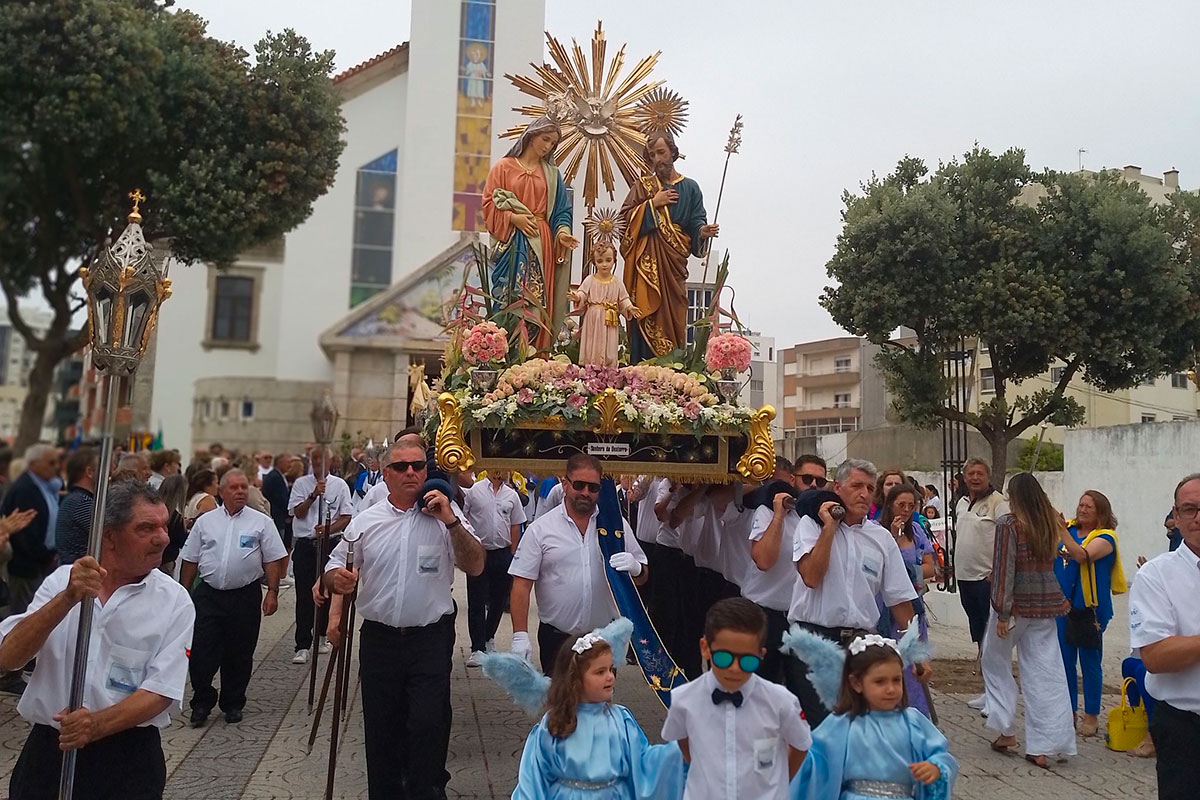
x=100 y=96
x=1040 y=268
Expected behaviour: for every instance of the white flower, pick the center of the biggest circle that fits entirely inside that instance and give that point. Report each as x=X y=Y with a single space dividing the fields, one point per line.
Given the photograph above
x=871 y=640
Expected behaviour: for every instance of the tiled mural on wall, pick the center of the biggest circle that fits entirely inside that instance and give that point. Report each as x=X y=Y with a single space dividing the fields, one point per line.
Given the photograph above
x=473 y=127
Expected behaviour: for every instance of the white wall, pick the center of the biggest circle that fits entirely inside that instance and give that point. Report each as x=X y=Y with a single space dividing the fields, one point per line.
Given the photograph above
x=1136 y=467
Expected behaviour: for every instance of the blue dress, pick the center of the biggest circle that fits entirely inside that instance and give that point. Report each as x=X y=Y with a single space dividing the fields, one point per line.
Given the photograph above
x=607 y=758
x=878 y=746
x=1067 y=571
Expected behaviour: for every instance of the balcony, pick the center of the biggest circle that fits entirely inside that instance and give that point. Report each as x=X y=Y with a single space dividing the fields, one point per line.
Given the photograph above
x=825 y=378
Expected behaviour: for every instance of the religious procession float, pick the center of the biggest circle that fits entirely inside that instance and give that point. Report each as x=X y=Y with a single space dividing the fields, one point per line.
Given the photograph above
x=536 y=370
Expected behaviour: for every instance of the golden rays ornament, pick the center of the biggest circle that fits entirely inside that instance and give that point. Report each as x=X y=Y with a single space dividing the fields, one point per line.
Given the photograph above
x=604 y=225
x=662 y=110
x=596 y=108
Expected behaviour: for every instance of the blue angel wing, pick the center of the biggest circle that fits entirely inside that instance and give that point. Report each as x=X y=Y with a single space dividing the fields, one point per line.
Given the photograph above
x=519 y=679
x=824 y=658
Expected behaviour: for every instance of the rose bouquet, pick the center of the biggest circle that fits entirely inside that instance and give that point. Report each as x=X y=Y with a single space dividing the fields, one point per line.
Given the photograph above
x=485 y=344
x=728 y=351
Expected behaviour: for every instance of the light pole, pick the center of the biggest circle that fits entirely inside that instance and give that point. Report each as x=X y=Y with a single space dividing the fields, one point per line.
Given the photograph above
x=125 y=288
x=324 y=416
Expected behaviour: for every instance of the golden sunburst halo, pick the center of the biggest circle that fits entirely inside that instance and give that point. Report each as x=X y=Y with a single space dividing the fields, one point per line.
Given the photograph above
x=604 y=225
x=661 y=110
x=595 y=107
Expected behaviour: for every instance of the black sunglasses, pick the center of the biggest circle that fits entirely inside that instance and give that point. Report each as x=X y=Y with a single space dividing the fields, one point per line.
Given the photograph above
x=810 y=480
x=723 y=659
x=579 y=486
x=405 y=466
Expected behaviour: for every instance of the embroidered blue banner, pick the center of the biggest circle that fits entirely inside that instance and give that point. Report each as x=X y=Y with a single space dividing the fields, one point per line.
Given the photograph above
x=657 y=665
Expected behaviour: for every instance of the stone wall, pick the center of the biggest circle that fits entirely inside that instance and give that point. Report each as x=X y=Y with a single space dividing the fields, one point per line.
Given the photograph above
x=280 y=421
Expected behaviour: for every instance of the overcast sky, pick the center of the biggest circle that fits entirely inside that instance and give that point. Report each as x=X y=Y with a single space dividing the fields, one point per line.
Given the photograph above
x=833 y=91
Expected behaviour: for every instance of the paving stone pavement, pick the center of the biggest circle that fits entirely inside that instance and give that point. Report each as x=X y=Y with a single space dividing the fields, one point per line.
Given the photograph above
x=264 y=755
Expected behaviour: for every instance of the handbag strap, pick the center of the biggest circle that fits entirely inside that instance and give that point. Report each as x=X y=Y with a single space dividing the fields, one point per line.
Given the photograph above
x=1125 y=693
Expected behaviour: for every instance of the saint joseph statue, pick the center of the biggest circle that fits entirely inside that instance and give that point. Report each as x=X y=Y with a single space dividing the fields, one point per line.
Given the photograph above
x=665 y=223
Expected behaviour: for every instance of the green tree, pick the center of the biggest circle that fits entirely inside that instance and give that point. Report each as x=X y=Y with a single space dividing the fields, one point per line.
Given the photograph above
x=1039 y=268
x=100 y=96
x=1049 y=456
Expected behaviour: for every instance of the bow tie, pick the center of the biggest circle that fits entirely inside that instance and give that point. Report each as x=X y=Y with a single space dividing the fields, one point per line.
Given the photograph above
x=720 y=696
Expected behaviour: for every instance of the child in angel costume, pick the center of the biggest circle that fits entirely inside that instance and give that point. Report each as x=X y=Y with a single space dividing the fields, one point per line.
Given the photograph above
x=873 y=745
x=585 y=747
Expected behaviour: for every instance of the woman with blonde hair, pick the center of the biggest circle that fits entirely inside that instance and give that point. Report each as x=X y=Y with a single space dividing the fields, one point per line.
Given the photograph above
x=1026 y=602
x=1089 y=573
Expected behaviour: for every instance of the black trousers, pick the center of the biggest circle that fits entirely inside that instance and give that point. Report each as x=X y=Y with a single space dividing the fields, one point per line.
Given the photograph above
x=487 y=594
x=772 y=663
x=976 y=599
x=224 y=638
x=405 y=674
x=305 y=567
x=796 y=672
x=127 y=765
x=1176 y=735
x=674 y=608
x=550 y=641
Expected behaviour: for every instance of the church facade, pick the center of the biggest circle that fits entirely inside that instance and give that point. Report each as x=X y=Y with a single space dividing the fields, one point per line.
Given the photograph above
x=353 y=297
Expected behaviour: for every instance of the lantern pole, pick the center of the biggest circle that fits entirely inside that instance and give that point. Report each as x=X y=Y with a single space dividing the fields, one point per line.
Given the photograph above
x=127 y=276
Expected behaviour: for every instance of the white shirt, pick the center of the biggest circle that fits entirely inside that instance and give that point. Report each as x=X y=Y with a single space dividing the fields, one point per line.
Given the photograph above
x=706 y=548
x=648 y=524
x=736 y=561
x=376 y=494
x=1162 y=603
x=337 y=500
x=231 y=549
x=975 y=536
x=493 y=512
x=864 y=561
x=668 y=534
x=568 y=571
x=774 y=587
x=405 y=562
x=552 y=500
x=140 y=640
x=737 y=752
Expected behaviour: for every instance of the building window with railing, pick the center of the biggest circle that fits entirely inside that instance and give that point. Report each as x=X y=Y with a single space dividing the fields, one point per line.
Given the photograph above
x=842 y=364
x=841 y=400
x=1056 y=374
x=699 y=301
x=987 y=381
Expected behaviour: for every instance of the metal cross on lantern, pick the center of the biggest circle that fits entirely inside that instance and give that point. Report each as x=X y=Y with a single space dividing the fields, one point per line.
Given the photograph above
x=125 y=288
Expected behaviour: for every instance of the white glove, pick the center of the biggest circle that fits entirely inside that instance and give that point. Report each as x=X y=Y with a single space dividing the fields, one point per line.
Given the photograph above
x=521 y=646
x=626 y=562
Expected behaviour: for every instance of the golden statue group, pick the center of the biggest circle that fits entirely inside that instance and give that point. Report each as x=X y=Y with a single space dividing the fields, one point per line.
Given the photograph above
x=537 y=368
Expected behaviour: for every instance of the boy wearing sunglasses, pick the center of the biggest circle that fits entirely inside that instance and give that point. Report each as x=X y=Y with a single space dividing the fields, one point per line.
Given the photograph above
x=769 y=735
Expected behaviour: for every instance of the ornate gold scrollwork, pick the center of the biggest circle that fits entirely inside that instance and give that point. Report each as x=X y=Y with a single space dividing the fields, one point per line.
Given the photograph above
x=758 y=462
x=453 y=454
x=609 y=406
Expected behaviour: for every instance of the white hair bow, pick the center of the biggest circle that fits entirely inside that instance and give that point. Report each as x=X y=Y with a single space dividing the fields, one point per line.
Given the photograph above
x=871 y=640
x=586 y=642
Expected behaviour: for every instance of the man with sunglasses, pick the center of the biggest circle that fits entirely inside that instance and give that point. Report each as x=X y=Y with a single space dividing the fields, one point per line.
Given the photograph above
x=405 y=551
x=810 y=472
x=559 y=557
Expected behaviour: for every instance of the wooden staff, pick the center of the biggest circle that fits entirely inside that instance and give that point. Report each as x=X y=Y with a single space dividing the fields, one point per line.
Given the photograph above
x=321 y=540
x=342 y=656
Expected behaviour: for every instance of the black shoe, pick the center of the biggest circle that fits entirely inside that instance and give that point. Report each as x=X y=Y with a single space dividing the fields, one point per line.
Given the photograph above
x=13 y=683
x=233 y=717
x=199 y=717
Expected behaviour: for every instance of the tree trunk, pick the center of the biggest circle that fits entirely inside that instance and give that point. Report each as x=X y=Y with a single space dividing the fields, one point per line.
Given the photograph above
x=999 y=459
x=33 y=412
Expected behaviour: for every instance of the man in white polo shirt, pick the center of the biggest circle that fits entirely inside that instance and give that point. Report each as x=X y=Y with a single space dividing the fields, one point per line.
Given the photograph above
x=231 y=547
x=843 y=564
x=559 y=557
x=495 y=512
x=137 y=661
x=304 y=506
x=1164 y=622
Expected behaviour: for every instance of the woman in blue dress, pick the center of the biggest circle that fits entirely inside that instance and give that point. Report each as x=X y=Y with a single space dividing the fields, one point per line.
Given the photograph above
x=588 y=748
x=1089 y=572
x=873 y=745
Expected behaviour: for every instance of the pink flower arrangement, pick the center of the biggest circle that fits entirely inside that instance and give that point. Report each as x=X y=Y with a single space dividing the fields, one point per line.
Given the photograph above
x=728 y=351
x=485 y=343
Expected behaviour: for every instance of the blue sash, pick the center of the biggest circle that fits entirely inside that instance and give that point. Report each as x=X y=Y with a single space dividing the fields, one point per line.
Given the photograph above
x=657 y=665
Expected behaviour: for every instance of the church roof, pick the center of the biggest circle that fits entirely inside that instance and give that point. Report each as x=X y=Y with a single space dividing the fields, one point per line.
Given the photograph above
x=399 y=51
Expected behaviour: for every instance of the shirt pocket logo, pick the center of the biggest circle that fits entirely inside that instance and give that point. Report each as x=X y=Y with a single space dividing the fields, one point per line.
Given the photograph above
x=246 y=541
x=126 y=669
x=870 y=566
x=765 y=753
x=429 y=559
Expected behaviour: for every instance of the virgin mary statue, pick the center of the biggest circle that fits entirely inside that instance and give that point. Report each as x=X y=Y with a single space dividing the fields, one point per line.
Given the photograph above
x=528 y=213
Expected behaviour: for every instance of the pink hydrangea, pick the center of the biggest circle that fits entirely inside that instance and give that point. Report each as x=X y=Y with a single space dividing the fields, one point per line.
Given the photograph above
x=485 y=343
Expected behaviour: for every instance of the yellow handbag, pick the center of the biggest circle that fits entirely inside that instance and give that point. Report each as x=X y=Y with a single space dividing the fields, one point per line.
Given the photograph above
x=1127 y=725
